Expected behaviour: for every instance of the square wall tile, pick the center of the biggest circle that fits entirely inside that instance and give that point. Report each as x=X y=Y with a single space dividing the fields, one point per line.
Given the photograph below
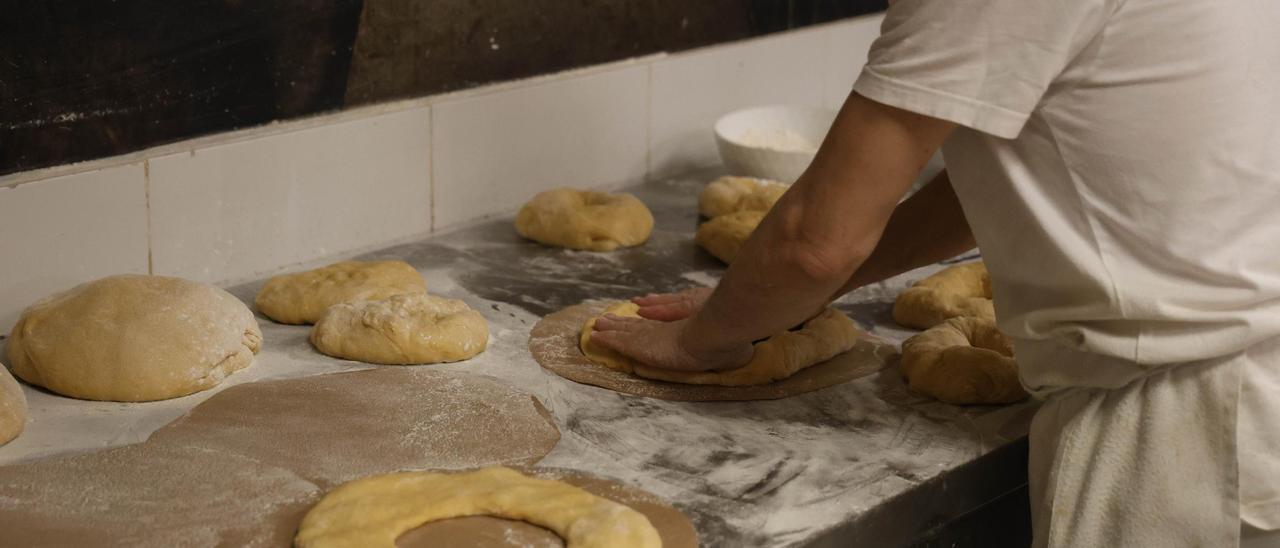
x=495 y=151
x=234 y=211
x=60 y=232
x=847 y=46
x=691 y=90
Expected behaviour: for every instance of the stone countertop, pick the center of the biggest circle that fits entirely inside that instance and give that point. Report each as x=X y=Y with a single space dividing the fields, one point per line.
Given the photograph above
x=865 y=461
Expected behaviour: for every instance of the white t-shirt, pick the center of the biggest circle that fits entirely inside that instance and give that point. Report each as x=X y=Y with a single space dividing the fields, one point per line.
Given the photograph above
x=1119 y=163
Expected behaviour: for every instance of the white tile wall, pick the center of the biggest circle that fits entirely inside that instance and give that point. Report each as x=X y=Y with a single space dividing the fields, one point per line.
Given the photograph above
x=492 y=152
x=691 y=90
x=234 y=211
x=847 y=45
x=57 y=233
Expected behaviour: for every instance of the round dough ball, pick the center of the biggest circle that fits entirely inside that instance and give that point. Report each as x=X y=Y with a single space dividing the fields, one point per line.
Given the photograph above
x=413 y=328
x=13 y=407
x=302 y=297
x=962 y=361
x=584 y=219
x=961 y=290
x=823 y=337
x=723 y=236
x=730 y=194
x=134 y=338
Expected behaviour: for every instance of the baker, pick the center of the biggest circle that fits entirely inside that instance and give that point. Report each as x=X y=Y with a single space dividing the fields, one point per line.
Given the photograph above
x=1118 y=163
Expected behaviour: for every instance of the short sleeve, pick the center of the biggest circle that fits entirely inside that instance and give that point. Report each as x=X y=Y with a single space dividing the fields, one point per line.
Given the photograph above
x=983 y=64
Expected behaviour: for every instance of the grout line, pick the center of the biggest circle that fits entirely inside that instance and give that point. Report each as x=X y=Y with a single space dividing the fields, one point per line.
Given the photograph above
x=146 y=186
x=431 y=166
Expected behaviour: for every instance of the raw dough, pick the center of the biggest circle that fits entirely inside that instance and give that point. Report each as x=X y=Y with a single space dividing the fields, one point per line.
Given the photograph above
x=731 y=194
x=961 y=290
x=828 y=334
x=723 y=236
x=584 y=219
x=134 y=338
x=391 y=504
x=405 y=329
x=962 y=361
x=13 y=407
x=302 y=297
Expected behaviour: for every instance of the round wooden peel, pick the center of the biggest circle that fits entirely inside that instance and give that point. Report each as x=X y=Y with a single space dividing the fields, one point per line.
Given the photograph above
x=554 y=344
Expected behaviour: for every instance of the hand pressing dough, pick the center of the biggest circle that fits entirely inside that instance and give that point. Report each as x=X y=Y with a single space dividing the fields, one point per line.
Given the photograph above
x=373 y=512
x=723 y=236
x=414 y=328
x=731 y=194
x=961 y=290
x=584 y=219
x=827 y=335
x=13 y=407
x=134 y=338
x=302 y=297
x=962 y=361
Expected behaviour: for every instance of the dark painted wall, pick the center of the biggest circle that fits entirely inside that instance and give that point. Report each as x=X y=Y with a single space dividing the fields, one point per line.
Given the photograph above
x=86 y=79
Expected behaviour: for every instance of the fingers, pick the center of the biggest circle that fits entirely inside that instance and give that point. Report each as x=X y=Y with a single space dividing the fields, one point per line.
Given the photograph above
x=657 y=299
x=611 y=322
x=668 y=312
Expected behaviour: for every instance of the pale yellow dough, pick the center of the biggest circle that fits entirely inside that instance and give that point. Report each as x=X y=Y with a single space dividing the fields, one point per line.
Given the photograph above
x=134 y=338
x=826 y=336
x=730 y=194
x=373 y=512
x=13 y=407
x=723 y=236
x=962 y=361
x=584 y=219
x=302 y=297
x=413 y=328
x=960 y=290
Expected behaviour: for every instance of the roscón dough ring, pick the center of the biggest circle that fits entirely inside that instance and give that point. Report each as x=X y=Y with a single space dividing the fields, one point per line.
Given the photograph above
x=723 y=236
x=13 y=407
x=731 y=194
x=373 y=512
x=302 y=297
x=961 y=290
x=413 y=328
x=962 y=361
x=584 y=219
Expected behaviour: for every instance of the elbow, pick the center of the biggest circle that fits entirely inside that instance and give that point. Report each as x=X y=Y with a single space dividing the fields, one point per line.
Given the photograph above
x=823 y=263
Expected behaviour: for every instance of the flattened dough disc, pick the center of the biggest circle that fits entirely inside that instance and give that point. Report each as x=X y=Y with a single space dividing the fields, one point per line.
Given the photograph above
x=485 y=532
x=334 y=428
x=554 y=344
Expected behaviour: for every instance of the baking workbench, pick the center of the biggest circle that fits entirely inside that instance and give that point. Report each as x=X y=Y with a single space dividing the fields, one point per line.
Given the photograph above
x=862 y=463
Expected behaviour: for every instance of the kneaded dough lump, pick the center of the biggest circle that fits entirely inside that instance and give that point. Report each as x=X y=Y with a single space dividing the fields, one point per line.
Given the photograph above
x=373 y=512
x=826 y=336
x=134 y=338
x=302 y=297
x=13 y=407
x=961 y=290
x=414 y=328
x=584 y=219
x=731 y=194
x=962 y=361
x=723 y=236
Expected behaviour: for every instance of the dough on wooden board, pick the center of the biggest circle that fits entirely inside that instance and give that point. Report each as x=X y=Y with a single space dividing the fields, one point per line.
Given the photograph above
x=585 y=219
x=723 y=236
x=960 y=290
x=413 y=328
x=13 y=407
x=731 y=194
x=133 y=338
x=395 y=503
x=302 y=297
x=962 y=361
x=821 y=338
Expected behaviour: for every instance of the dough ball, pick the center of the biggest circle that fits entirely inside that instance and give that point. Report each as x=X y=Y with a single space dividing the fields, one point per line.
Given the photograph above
x=413 y=328
x=584 y=219
x=13 y=407
x=826 y=336
x=730 y=194
x=134 y=338
x=392 y=504
x=961 y=290
x=302 y=297
x=723 y=236
x=962 y=361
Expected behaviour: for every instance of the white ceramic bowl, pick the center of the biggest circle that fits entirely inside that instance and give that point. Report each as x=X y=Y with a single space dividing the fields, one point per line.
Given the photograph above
x=772 y=142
